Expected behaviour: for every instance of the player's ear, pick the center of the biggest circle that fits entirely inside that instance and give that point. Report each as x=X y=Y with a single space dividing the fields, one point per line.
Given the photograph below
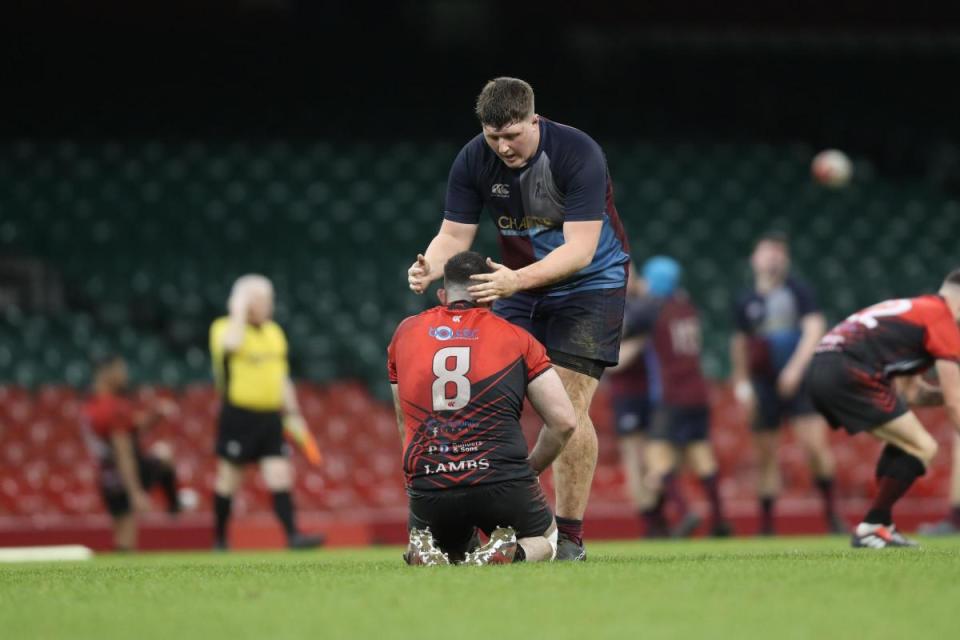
x=442 y=296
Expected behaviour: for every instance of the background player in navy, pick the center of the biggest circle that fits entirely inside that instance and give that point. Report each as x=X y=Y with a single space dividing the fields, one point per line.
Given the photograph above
x=564 y=271
x=459 y=376
x=778 y=325
x=852 y=383
x=678 y=393
x=629 y=396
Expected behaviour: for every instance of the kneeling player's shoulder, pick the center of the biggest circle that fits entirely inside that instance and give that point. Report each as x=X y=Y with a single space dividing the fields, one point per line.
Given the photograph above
x=573 y=139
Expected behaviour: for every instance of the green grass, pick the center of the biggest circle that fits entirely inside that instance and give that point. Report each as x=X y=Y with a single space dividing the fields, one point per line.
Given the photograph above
x=746 y=588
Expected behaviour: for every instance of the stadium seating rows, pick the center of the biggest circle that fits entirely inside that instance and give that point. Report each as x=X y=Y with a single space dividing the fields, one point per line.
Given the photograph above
x=148 y=237
x=46 y=471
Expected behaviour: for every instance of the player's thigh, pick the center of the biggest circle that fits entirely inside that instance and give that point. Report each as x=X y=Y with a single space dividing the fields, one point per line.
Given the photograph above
x=229 y=476
x=631 y=447
x=660 y=457
x=519 y=504
x=518 y=310
x=582 y=330
x=580 y=388
x=700 y=458
x=906 y=432
x=277 y=472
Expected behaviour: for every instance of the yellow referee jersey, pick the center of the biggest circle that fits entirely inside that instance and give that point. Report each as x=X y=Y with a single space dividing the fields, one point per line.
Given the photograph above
x=253 y=376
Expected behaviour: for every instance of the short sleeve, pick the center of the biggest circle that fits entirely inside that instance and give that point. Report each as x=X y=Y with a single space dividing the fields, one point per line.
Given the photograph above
x=806 y=300
x=942 y=340
x=535 y=357
x=463 y=202
x=585 y=195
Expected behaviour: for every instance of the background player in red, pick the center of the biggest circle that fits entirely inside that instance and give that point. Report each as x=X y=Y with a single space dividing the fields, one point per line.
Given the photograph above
x=778 y=326
x=548 y=191
x=679 y=428
x=459 y=376
x=852 y=380
x=112 y=431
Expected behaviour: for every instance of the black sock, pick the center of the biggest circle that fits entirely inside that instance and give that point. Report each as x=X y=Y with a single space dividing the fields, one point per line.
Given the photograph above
x=767 y=504
x=283 y=507
x=825 y=485
x=168 y=482
x=521 y=555
x=896 y=472
x=221 y=510
x=955 y=515
x=712 y=489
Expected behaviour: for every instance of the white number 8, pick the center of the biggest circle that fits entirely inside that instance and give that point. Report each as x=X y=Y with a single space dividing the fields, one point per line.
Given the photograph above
x=457 y=376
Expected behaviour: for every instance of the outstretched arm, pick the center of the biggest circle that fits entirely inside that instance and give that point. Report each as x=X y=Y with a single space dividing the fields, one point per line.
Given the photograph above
x=452 y=238
x=551 y=401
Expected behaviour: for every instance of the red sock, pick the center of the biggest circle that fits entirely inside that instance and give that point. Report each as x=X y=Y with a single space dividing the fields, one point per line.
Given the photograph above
x=571 y=528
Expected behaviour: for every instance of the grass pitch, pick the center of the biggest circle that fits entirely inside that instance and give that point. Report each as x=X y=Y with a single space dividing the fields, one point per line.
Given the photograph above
x=740 y=588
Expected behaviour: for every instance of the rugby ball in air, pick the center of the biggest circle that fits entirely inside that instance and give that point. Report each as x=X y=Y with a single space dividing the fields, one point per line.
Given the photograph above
x=832 y=168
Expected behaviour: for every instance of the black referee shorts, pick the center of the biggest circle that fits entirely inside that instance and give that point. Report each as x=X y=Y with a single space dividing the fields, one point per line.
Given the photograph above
x=245 y=436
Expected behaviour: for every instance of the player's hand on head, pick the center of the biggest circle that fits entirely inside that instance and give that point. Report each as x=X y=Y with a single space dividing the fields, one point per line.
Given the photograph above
x=418 y=273
x=501 y=283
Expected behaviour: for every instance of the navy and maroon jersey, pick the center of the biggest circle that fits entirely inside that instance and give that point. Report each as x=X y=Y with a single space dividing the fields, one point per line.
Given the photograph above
x=897 y=337
x=632 y=380
x=674 y=343
x=772 y=322
x=104 y=415
x=462 y=376
x=565 y=181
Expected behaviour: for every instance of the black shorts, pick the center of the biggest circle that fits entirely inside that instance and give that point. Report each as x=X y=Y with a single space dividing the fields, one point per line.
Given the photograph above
x=632 y=414
x=773 y=410
x=580 y=330
x=452 y=514
x=114 y=494
x=850 y=396
x=245 y=436
x=680 y=426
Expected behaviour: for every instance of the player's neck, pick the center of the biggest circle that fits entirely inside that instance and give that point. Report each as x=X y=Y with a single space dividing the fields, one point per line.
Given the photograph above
x=765 y=283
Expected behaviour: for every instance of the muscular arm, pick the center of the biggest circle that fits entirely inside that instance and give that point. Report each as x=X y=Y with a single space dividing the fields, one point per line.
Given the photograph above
x=630 y=349
x=551 y=401
x=398 y=409
x=579 y=244
x=949 y=373
x=452 y=238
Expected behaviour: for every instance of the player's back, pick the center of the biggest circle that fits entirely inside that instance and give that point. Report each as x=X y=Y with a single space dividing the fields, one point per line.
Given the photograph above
x=461 y=374
x=677 y=342
x=897 y=337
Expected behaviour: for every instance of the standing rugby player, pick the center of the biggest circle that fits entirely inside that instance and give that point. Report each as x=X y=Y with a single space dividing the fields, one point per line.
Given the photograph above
x=564 y=253
x=778 y=325
x=249 y=354
x=852 y=380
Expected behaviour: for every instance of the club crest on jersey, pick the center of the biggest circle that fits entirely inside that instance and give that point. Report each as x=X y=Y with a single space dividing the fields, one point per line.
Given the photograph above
x=500 y=190
x=443 y=333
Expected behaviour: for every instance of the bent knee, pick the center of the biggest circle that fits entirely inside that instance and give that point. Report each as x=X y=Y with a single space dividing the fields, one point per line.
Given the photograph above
x=927 y=450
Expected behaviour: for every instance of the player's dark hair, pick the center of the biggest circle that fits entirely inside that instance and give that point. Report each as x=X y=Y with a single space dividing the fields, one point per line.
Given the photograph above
x=779 y=237
x=953 y=278
x=504 y=101
x=460 y=267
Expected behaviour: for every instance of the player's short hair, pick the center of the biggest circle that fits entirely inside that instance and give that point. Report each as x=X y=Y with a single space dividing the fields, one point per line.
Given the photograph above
x=776 y=236
x=504 y=101
x=953 y=278
x=460 y=267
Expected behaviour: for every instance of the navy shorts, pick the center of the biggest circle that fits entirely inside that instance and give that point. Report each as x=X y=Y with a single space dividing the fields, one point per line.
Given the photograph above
x=632 y=414
x=580 y=330
x=680 y=426
x=773 y=410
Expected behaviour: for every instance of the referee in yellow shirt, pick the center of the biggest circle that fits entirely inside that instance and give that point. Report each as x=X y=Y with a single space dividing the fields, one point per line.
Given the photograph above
x=249 y=354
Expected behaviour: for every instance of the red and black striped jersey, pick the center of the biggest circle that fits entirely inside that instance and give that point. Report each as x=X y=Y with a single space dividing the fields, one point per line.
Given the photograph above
x=898 y=337
x=462 y=375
